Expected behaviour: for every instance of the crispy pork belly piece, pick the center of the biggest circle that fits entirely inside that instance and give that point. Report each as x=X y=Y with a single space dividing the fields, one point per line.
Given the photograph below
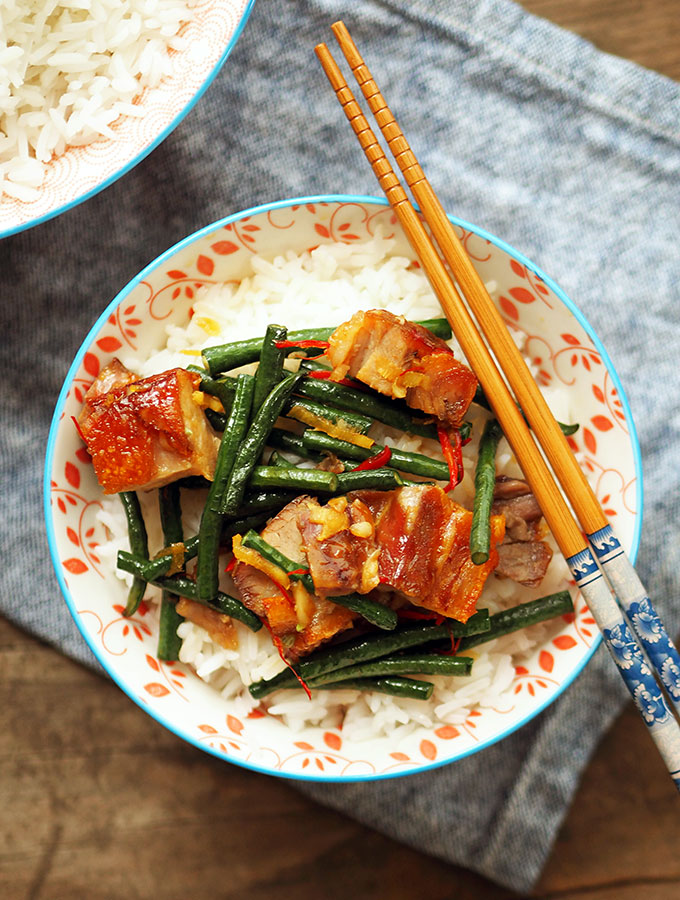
x=424 y=540
x=522 y=556
x=219 y=626
x=412 y=542
x=340 y=546
x=302 y=622
x=403 y=360
x=145 y=432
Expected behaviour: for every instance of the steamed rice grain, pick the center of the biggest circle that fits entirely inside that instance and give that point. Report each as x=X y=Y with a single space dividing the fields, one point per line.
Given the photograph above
x=69 y=70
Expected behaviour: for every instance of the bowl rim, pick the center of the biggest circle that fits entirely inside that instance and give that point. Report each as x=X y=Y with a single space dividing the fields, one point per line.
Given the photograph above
x=158 y=261
x=45 y=217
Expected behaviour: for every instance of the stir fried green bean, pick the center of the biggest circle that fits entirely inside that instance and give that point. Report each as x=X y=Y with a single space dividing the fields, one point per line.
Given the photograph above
x=169 y=642
x=485 y=482
x=138 y=544
x=251 y=447
x=207 y=569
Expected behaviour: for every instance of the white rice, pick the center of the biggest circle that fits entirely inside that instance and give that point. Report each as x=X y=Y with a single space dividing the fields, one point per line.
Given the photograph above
x=69 y=69
x=288 y=289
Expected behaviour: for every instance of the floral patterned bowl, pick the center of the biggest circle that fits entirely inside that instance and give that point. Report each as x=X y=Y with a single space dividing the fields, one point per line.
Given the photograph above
x=81 y=172
x=561 y=344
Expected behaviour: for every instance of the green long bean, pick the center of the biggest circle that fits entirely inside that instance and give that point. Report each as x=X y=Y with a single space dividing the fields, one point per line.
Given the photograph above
x=293 y=443
x=170 y=511
x=151 y=569
x=558 y=604
x=251 y=447
x=224 y=357
x=270 y=368
x=415 y=463
x=314 y=480
x=370 y=646
x=185 y=587
x=207 y=567
x=414 y=664
x=485 y=482
x=139 y=544
x=369 y=480
x=366 y=403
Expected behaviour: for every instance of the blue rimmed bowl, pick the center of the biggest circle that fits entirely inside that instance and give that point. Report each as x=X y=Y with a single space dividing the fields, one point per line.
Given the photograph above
x=565 y=352
x=81 y=172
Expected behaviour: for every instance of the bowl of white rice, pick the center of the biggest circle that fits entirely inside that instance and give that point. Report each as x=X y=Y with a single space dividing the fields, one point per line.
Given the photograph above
x=305 y=263
x=89 y=87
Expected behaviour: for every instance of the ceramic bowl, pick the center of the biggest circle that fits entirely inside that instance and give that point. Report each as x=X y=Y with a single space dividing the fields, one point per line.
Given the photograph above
x=562 y=345
x=81 y=172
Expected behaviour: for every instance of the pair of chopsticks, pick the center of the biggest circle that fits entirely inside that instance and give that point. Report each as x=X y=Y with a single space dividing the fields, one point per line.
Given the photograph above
x=597 y=561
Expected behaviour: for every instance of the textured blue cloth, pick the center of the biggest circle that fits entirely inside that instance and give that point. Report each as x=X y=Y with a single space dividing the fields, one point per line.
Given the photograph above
x=570 y=155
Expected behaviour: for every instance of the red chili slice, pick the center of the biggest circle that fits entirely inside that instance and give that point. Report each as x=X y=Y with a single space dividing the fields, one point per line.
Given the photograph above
x=452 y=454
x=284 y=344
x=279 y=646
x=375 y=462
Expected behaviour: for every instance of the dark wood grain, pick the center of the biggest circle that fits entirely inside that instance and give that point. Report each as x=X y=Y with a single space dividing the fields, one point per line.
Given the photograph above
x=98 y=801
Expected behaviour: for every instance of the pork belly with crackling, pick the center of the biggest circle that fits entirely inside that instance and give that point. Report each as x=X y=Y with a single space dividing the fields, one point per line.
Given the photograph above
x=143 y=433
x=403 y=360
x=302 y=622
x=413 y=541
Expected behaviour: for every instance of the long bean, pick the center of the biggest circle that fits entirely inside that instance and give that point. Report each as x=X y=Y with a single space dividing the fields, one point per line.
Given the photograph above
x=415 y=463
x=371 y=646
x=288 y=440
x=314 y=480
x=170 y=511
x=396 y=685
x=251 y=447
x=369 y=480
x=151 y=569
x=522 y=616
x=139 y=544
x=224 y=357
x=421 y=664
x=270 y=367
x=355 y=421
x=374 y=612
x=366 y=403
x=169 y=642
x=217 y=420
x=207 y=568
x=185 y=587
x=264 y=501
x=485 y=481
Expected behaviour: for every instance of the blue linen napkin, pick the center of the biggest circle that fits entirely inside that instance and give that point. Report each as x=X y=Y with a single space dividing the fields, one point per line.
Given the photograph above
x=570 y=155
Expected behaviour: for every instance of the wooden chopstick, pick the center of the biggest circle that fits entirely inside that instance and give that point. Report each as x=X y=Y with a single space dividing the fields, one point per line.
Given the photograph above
x=607 y=548
x=634 y=670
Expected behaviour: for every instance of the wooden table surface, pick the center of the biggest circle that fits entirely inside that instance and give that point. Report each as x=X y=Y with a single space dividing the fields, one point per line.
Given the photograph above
x=98 y=801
